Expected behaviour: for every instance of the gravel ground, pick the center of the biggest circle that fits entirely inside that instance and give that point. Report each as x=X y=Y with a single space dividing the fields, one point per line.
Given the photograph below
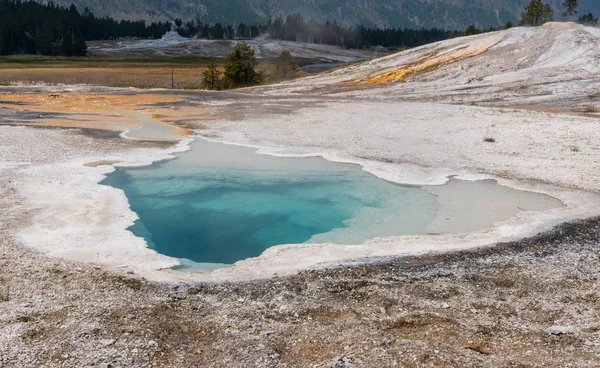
x=529 y=303
x=493 y=307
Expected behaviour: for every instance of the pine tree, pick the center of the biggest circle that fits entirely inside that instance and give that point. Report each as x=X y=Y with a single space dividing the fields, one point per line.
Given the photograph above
x=211 y=78
x=66 y=46
x=285 y=67
x=240 y=68
x=472 y=30
x=570 y=6
x=587 y=19
x=79 y=46
x=536 y=13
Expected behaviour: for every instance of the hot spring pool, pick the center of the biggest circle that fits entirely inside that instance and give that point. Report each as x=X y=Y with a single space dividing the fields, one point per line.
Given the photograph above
x=220 y=203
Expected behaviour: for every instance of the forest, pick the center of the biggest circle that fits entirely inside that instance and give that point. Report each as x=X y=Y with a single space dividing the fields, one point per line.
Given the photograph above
x=28 y=27
x=295 y=28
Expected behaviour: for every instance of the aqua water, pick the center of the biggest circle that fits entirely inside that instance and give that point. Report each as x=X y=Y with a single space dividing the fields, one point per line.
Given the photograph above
x=220 y=203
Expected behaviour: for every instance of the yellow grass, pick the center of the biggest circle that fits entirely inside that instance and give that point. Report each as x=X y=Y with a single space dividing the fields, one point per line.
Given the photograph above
x=138 y=76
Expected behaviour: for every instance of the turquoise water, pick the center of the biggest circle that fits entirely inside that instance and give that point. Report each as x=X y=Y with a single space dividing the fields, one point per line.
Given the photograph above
x=219 y=203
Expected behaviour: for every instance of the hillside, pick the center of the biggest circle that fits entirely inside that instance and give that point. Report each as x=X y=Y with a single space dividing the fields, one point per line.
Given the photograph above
x=447 y=14
x=552 y=66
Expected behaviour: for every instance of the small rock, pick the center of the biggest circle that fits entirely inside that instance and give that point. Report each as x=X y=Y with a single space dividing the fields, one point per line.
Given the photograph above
x=560 y=330
x=177 y=296
x=445 y=305
x=267 y=332
x=108 y=342
x=152 y=343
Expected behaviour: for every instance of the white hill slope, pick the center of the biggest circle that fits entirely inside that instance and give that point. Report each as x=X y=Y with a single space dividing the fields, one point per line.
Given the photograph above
x=558 y=63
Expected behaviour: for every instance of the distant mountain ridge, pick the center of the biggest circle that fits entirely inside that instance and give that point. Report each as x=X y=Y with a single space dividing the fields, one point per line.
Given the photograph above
x=446 y=14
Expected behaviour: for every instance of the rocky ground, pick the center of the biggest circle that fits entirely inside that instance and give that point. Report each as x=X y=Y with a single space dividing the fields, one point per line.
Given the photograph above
x=524 y=304
x=529 y=303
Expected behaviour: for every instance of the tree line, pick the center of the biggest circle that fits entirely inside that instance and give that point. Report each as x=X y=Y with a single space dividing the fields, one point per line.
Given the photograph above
x=240 y=70
x=28 y=27
x=537 y=13
x=295 y=28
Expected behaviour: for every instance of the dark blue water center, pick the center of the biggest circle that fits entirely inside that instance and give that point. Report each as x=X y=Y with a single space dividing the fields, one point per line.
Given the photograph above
x=219 y=203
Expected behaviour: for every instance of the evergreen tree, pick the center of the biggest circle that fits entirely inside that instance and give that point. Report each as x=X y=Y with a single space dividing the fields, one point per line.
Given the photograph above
x=79 y=46
x=285 y=67
x=508 y=25
x=536 y=13
x=240 y=68
x=472 y=30
x=46 y=39
x=66 y=46
x=211 y=78
x=570 y=6
x=587 y=19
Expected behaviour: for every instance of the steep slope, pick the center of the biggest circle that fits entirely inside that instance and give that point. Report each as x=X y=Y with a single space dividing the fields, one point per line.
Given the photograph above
x=448 y=14
x=552 y=66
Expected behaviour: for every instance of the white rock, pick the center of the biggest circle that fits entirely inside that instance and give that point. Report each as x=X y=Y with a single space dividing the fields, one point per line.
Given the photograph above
x=108 y=342
x=560 y=330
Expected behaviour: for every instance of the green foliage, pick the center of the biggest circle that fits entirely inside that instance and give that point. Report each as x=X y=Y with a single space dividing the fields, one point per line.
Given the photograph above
x=66 y=45
x=79 y=46
x=295 y=28
x=472 y=30
x=240 y=68
x=570 y=6
x=489 y=139
x=285 y=67
x=211 y=79
x=536 y=13
x=587 y=19
x=28 y=27
x=508 y=25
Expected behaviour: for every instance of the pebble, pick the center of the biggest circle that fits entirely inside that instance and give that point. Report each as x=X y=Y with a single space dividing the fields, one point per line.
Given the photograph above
x=560 y=330
x=108 y=342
